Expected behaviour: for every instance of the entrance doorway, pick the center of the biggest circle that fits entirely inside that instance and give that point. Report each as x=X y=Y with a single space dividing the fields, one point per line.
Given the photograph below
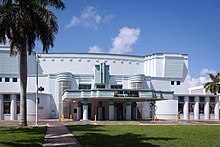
x=102 y=117
x=89 y=111
x=119 y=111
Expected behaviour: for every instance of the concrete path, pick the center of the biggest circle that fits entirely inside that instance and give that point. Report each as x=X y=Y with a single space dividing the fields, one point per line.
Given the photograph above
x=59 y=135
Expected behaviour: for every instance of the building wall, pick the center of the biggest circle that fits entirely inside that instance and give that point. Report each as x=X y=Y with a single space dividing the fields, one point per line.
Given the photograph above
x=75 y=63
x=9 y=65
x=154 y=72
x=166 y=109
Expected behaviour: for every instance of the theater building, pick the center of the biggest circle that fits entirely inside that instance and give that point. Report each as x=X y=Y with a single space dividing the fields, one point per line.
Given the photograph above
x=80 y=86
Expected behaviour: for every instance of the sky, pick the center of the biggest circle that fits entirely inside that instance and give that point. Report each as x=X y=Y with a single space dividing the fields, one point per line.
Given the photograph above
x=142 y=27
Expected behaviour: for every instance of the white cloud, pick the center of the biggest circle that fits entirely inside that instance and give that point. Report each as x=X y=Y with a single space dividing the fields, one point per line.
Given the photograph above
x=204 y=77
x=89 y=18
x=74 y=21
x=95 y=49
x=122 y=43
x=205 y=71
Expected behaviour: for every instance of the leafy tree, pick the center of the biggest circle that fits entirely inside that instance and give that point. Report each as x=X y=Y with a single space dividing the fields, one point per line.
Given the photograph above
x=22 y=22
x=214 y=85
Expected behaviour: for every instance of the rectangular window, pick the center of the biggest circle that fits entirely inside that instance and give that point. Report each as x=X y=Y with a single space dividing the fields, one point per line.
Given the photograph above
x=137 y=85
x=191 y=104
x=18 y=103
x=7 y=79
x=202 y=99
x=191 y=107
x=180 y=108
x=212 y=99
x=201 y=105
x=178 y=83
x=100 y=86
x=211 y=108
x=116 y=86
x=6 y=103
x=191 y=99
x=0 y=79
x=85 y=86
x=212 y=105
x=201 y=108
x=172 y=82
x=14 y=80
x=181 y=99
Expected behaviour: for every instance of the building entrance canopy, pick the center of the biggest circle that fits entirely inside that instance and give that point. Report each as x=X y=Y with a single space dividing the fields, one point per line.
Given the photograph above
x=138 y=95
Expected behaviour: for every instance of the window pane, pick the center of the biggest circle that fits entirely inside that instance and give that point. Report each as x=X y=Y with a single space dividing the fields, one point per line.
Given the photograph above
x=6 y=98
x=212 y=99
x=18 y=107
x=180 y=108
x=84 y=86
x=172 y=82
x=202 y=99
x=211 y=108
x=137 y=85
x=18 y=97
x=201 y=108
x=181 y=98
x=14 y=80
x=191 y=99
x=0 y=79
x=191 y=107
x=7 y=79
x=7 y=107
x=178 y=83
x=116 y=86
x=100 y=86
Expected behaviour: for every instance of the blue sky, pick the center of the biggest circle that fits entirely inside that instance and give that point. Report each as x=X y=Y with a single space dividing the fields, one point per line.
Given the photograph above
x=141 y=27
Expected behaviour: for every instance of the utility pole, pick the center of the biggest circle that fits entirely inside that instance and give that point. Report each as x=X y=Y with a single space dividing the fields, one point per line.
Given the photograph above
x=36 y=100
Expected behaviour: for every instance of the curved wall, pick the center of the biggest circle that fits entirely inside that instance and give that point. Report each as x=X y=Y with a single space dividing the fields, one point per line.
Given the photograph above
x=167 y=109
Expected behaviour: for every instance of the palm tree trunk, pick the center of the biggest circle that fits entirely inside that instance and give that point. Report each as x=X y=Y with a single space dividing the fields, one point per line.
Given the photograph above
x=23 y=87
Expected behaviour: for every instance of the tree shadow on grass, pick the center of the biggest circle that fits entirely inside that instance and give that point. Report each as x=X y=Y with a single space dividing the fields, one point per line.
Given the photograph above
x=30 y=130
x=23 y=143
x=90 y=128
x=12 y=136
x=95 y=136
x=128 y=140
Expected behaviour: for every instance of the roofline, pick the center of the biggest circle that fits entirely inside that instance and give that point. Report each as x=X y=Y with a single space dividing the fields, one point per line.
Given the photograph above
x=85 y=53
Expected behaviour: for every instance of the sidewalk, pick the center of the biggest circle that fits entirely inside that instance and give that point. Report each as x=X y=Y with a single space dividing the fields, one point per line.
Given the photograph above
x=59 y=135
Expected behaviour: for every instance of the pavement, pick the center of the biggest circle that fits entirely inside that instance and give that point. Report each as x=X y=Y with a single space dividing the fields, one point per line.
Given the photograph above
x=51 y=122
x=59 y=135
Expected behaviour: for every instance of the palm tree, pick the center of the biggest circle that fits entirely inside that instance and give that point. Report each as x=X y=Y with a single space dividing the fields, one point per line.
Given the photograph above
x=214 y=85
x=22 y=22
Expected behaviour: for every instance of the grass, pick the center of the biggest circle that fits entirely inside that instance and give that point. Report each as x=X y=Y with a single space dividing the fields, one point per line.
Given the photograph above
x=25 y=137
x=150 y=135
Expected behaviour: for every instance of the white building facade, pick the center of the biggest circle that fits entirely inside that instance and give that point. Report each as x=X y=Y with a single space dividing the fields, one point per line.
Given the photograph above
x=108 y=86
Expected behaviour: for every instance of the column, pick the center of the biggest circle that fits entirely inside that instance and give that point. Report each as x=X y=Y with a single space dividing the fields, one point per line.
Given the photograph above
x=128 y=110
x=100 y=110
x=216 y=108
x=206 y=108
x=186 y=108
x=111 y=110
x=1 y=106
x=85 y=109
x=135 y=110
x=13 y=107
x=196 y=108
x=78 y=115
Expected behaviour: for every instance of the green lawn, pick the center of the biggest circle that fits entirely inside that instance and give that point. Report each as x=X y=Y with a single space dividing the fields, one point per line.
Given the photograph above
x=12 y=136
x=150 y=135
